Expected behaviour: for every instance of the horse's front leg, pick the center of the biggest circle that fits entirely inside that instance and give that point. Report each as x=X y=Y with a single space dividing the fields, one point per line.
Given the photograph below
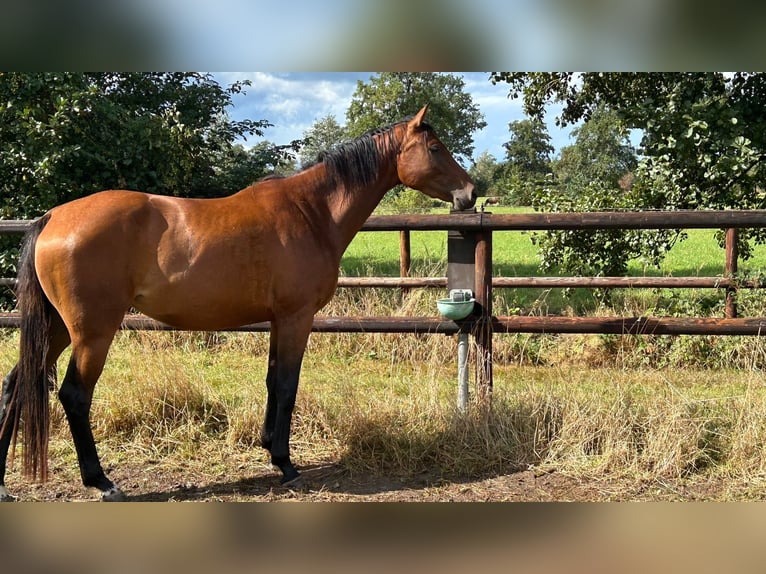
x=292 y=336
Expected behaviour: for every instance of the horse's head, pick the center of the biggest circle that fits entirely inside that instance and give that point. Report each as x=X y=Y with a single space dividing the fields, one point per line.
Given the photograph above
x=426 y=165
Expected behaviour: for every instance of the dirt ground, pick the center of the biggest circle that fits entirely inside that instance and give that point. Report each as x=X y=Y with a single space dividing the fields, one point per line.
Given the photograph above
x=162 y=482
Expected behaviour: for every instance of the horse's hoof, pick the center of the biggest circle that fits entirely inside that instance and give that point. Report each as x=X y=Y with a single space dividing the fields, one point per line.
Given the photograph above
x=114 y=494
x=5 y=496
x=296 y=483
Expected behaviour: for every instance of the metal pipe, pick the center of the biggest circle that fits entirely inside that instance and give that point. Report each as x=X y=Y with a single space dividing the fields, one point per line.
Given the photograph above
x=462 y=372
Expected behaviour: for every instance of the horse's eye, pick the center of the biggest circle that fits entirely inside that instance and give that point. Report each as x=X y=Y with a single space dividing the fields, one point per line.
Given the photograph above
x=434 y=147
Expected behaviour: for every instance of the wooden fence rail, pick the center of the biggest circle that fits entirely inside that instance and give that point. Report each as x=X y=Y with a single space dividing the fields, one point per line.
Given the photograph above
x=483 y=324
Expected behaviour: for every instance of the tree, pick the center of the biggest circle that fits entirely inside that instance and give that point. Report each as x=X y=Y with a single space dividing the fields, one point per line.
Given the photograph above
x=528 y=155
x=66 y=135
x=391 y=96
x=240 y=167
x=323 y=135
x=704 y=134
x=592 y=174
x=530 y=146
x=487 y=175
x=602 y=151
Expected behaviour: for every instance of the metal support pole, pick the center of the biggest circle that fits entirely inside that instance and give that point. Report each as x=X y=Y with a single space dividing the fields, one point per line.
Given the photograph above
x=462 y=371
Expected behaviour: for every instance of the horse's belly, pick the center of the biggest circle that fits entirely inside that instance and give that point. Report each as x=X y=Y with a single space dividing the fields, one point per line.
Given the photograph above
x=196 y=315
x=198 y=301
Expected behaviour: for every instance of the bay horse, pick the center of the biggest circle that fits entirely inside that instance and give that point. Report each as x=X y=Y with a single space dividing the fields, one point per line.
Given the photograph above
x=269 y=252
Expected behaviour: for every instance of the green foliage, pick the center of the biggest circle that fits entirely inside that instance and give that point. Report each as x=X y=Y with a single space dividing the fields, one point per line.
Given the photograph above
x=528 y=154
x=705 y=131
x=591 y=252
x=704 y=134
x=240 y=167
x=518 y=187
x=390 y=96
x=602 y=152
x=590 y=175
x=66 y=135
x=409 y=200
x=487 y=175
x=529 y=148
x=324 y=135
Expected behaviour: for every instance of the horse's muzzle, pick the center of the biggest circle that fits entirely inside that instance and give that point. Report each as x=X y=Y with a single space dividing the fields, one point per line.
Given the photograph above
x=464 y=198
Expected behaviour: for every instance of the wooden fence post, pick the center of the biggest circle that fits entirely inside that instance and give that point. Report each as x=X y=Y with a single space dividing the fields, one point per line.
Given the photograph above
x=483 y=328
x=732 y=254
x=405 y=257
x=405 y=253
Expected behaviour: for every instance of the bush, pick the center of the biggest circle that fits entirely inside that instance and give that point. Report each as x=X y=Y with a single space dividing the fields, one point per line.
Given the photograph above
x=410 y=201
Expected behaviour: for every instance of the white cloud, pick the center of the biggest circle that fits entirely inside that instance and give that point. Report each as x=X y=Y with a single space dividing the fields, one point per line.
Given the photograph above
x=291 y=101
x=295 y=94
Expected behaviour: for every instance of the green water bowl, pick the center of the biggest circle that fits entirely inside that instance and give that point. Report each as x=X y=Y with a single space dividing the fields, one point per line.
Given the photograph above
x=455 y=310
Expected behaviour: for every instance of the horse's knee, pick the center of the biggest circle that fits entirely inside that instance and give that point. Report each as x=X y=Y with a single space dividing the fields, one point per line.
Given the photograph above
x=74 y=400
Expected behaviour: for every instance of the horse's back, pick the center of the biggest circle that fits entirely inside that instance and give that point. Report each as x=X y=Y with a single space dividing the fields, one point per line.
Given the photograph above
x=192 y=263
x=104 y=216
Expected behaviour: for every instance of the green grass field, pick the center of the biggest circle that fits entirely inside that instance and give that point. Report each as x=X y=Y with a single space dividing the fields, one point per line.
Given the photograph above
x=514 y=255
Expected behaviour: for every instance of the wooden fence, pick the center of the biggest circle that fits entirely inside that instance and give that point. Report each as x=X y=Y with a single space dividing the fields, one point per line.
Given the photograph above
x=476 y=229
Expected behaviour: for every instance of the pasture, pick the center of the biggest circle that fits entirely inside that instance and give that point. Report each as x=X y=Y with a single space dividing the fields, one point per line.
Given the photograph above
x=575 y=417
x=515 y=255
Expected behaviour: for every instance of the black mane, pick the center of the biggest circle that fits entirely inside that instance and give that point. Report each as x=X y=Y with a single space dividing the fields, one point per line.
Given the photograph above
x=357 y=162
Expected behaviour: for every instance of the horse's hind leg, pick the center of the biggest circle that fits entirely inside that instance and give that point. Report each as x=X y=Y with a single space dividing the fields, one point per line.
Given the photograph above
x=76 y=396
x=6 y=429
x=58 y=341
x=269 y=419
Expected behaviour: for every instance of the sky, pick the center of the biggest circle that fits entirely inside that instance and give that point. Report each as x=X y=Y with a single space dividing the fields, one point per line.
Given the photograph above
x=306 y=35
x=293 y=102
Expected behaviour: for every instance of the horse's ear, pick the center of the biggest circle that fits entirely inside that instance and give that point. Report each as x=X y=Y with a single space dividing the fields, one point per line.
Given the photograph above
x=418 y=119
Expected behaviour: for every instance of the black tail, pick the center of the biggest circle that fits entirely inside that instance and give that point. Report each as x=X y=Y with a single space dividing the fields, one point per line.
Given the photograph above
x=30 y=395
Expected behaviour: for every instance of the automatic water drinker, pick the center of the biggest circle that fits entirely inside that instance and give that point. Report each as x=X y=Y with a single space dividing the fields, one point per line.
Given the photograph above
x=458 y=305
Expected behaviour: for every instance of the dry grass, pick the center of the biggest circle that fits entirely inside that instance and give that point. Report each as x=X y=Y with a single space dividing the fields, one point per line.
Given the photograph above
x=385 y=405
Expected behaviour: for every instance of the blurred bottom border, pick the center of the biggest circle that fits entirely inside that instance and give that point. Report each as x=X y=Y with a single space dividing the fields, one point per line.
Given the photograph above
x=346 y=537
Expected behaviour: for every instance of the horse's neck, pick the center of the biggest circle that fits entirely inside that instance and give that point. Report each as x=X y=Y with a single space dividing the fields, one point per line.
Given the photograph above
x=350 y=208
